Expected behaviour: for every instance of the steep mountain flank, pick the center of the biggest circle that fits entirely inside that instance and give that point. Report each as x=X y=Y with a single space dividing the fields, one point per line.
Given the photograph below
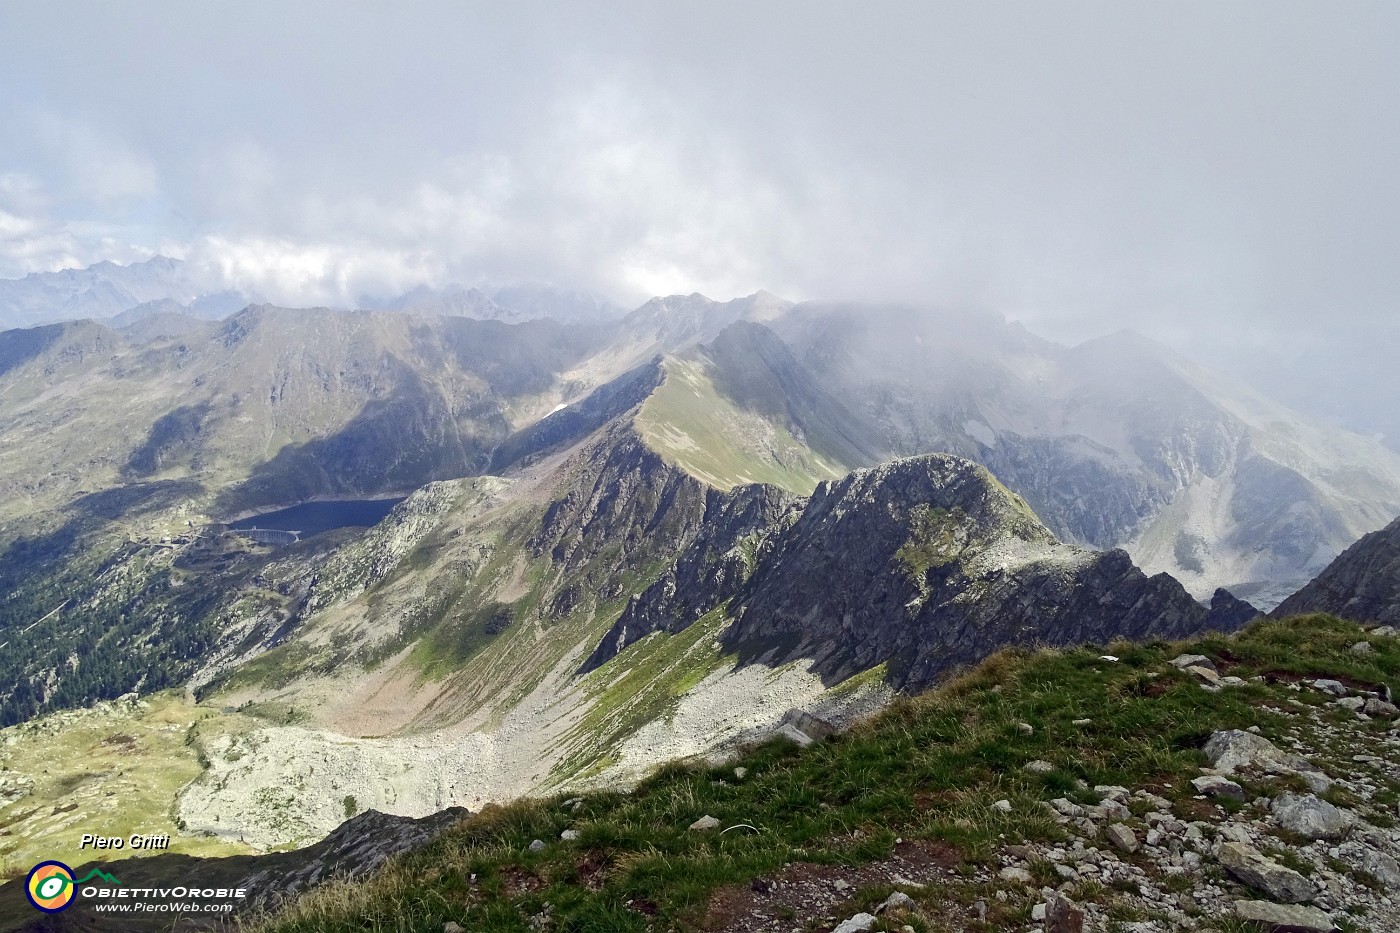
x=435 y=660
x=273 y=406
x=1251 y=788
x=571 y=423
x=1362 y=584
x=116 y=454
x=922 y=564
x=1057 y=784
x=739 y=527
x=755 y=370
x=480 y=587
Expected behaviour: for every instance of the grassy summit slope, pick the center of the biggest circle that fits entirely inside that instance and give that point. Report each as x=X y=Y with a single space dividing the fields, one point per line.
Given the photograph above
x=688 y=421
x=909 y=795
x=741 y=409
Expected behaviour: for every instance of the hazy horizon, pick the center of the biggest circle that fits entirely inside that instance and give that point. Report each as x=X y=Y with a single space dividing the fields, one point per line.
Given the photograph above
x=1217 y=177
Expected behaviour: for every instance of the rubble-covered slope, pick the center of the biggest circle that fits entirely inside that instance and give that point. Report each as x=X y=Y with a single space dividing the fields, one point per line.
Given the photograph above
x=1133 y=792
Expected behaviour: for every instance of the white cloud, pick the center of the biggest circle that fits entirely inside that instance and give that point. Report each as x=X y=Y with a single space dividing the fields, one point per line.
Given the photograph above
x=99 y=167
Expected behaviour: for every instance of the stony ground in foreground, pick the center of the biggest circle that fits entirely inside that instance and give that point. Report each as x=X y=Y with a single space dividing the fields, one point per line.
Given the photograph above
x=1228 y=784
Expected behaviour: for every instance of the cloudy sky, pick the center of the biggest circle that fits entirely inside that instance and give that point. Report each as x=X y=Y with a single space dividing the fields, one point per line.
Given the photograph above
x=1222 y=176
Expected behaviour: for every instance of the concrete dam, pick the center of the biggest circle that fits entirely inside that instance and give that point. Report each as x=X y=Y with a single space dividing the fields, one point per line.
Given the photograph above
x=269 y=535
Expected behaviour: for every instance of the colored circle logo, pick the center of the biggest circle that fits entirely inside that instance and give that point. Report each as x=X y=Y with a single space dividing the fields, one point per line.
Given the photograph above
x=50 y=886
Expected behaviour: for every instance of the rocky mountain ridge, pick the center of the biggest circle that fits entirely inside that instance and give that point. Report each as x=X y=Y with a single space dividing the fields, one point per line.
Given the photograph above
x=1116 y=442
x=1363 y=583
x=99 y=291
x=923 y=564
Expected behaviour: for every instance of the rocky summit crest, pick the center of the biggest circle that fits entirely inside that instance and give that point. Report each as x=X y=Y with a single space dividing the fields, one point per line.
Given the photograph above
x=922 y=564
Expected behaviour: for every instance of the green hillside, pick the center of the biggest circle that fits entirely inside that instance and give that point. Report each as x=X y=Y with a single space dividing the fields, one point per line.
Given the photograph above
x=689 y=422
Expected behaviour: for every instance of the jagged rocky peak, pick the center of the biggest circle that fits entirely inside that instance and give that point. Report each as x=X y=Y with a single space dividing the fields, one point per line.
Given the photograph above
x=618 y=507
x=929 y=563
x=679 y=321
x=955 y=503
x=923 y=564
x=1362 y=584
x=737 y=532
x=933 y=493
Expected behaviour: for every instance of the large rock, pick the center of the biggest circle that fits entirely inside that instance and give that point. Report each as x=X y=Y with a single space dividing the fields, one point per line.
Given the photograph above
x=1122 y=838
x=1278 y=918
x=1375 y=706
x=1192 y=660
x=1213 y=785
x=1381 y=867
x=858 y=924
x=1308 y=816
x=1233 y=749
x=813 y=726
x=1063 y=916
x=1250 y=866
x=793 y=734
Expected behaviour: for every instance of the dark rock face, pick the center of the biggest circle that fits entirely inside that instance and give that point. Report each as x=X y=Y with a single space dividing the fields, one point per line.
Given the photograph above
x=1362 y=584
x=563 y=427
x=358 y=847
x=620 y=499
x=1228 y=612
x=926 y=563
x=737 y=533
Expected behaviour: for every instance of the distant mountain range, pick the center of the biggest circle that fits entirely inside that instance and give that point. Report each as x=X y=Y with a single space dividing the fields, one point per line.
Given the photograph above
x=125 y=295
x=625 y=538
x=1114 y=443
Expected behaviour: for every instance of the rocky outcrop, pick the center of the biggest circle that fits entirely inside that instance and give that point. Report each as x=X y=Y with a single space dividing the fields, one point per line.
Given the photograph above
x=358 y=848
x=923 y=564
x=1278 y=918
x=929 y=563
x=1310 y=817
x=1250 y=867
x=737 y=532
x=1363 y=584
x=1233 y=749
x=621 y=498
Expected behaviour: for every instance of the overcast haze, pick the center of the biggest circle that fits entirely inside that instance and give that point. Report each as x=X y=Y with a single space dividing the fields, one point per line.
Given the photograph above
x=1221 y=176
